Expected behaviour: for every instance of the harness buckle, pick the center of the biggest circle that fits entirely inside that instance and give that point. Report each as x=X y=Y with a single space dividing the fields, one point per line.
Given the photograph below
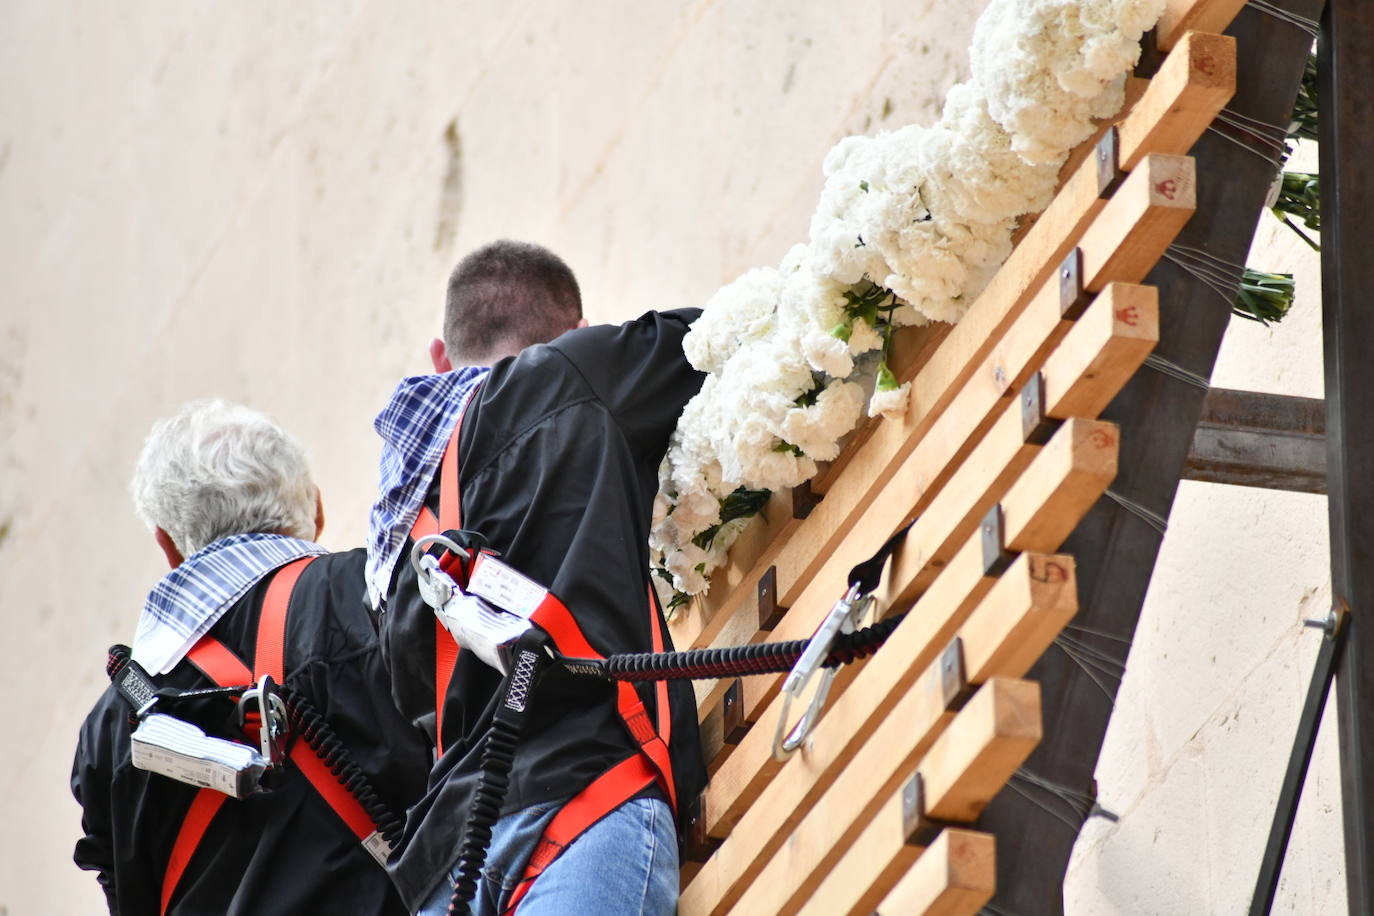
x=436 y=586
x=271 y=710
x=844 y=617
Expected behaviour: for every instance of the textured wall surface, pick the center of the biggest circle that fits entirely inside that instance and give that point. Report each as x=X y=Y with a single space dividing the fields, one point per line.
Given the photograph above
x=261 y=202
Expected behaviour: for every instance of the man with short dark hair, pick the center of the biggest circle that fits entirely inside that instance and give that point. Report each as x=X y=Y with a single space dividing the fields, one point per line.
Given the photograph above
x=554 y=459
x=230 y=501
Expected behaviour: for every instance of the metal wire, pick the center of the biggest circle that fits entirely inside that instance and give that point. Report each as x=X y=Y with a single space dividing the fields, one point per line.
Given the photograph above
x=1151 y=518
x=1297 y=20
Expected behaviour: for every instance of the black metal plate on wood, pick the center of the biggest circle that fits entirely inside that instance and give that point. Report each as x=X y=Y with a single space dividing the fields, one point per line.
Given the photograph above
x=992 y=533
x=954 y=686
x=1036 y=428
x=769 y=612
x=697 y=844
x=1073 y=299
x=804 y=499
x=918 y=829
x=733 y=726
x=1107 y=155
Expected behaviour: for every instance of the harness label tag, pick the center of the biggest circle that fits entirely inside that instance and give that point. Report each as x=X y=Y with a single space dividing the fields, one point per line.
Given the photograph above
x=377 y=847
x=504 y=587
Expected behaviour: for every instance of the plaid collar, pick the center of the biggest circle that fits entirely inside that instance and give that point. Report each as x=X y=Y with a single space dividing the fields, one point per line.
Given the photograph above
x=415 y=427
x=191 y=598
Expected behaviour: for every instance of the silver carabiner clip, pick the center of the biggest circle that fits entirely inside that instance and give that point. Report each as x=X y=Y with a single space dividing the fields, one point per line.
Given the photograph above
x=843 y=618
x=272 y=710
x=436 y=586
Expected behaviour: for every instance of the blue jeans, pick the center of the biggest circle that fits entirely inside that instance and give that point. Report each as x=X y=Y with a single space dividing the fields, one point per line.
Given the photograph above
x=624 y=865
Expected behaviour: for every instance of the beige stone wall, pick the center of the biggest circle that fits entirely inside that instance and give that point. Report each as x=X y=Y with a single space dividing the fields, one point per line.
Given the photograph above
x=260 y=201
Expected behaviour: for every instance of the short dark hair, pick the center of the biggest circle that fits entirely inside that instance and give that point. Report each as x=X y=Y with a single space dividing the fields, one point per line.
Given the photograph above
x=506 y=296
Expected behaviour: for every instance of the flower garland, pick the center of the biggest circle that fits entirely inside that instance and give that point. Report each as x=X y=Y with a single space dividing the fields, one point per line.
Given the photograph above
x=911 y=225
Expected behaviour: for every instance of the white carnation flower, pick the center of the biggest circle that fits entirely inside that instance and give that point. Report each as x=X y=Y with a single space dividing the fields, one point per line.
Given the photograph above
x=891 y=403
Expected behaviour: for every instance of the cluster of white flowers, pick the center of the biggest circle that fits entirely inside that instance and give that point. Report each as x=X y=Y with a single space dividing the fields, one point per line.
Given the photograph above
x=911 y=225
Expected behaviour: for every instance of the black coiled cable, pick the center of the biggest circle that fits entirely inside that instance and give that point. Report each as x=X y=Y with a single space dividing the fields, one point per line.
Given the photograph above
x=303 y=719
x=733 y=661
x=498 y=755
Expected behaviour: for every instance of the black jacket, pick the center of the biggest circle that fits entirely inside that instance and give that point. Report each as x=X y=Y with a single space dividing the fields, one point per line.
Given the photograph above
x=282 y=852
x=558 y=467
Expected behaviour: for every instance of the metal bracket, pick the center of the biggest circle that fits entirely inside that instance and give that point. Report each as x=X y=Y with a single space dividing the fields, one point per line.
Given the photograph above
x=733 y=727
x=804 y=499
x=1073 y=298
x=917 y=828
x=1036 y=427
x=769 y=612
x=991 y=530
x=1107 y=155
x=954 y=686
x=697 y=844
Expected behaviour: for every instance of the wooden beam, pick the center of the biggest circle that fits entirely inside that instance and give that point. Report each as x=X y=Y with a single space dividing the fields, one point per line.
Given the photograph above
x=1141 y=217
x=1115 y=548
x=1194 y=83
x=1006 y=632
x=955 y=876
x=964 y=769
x=1183 y=16
x=1252 y=439
x=1039 y=510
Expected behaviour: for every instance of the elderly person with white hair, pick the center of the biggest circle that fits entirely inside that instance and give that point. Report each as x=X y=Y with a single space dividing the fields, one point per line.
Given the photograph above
x=230 y=502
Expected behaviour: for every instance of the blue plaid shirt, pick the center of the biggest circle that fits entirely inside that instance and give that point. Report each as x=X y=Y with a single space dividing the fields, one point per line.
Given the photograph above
x=415 y=427
x=188 y=601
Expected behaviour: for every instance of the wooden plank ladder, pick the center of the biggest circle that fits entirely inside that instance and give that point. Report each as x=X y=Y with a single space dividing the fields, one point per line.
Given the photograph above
x=998 y=457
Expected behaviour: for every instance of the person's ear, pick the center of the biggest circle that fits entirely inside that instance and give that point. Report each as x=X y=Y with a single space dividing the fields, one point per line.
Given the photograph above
x=169 y=549
x=580 y=324
x=319 y=514
x=438 y=355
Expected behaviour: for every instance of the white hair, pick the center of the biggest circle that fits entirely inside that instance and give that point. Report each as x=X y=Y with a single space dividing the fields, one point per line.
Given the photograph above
x=217 y=469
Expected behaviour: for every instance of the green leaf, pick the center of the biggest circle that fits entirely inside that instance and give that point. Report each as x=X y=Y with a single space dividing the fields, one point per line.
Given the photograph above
x=788 y=447
x=844 y=330
x=863 y=186
x=1264 y=297
x=886 y=380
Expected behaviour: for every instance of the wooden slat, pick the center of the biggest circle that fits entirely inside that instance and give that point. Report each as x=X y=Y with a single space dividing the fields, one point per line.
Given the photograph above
x=1064 y=479
x=1179 y=103
x=963 y=770
x=1165 y=186
x=1095 y=358
x=1183 y=16
x=955 y=876
x=1194 y=83
x=1010 y=628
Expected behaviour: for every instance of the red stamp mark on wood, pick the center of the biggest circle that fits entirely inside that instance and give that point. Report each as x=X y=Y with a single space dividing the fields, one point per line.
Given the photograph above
x=1102 y=438
x=1050 y=571
x=1168 y=188
x=1129 y=315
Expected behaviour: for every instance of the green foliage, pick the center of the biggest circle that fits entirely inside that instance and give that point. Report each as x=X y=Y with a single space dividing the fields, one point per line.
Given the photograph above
x=1303 y=124
x=1264 y=297
x=743 y=503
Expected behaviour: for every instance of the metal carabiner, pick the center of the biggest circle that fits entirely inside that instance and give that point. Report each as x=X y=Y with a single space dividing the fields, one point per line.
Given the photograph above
x=436 y=586
x=843 y=618
x=272 y=711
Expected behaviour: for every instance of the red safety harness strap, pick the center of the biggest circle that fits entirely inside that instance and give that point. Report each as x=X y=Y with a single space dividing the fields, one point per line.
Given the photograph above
x=450 y=518
x=606 y=793
x=225 y=669
x=203 y=809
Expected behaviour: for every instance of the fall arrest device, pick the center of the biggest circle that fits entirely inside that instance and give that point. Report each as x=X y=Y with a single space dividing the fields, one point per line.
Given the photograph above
x=520 y=628
x=281 y=722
